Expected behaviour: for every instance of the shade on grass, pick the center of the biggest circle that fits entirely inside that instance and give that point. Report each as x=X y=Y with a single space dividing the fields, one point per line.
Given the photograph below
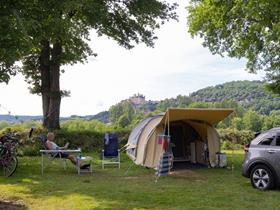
x=115 y=189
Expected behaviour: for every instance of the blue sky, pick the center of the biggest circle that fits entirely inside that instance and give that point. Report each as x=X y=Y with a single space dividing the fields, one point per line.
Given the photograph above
x=176 y=65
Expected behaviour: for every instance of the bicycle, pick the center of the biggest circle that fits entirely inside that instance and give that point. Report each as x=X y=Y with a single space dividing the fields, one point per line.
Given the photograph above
x=8 y=157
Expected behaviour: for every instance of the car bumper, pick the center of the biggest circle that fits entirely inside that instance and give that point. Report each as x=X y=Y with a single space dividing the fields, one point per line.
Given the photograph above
x=245 y=171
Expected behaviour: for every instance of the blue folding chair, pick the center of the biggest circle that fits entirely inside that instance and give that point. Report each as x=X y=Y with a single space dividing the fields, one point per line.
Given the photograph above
x=111 y=153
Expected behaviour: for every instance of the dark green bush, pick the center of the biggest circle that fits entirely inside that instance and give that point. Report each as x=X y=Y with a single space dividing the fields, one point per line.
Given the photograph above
x=235 y=136
x=227 y=145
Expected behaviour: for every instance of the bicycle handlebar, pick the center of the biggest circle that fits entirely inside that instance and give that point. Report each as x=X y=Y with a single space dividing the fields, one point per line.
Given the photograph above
x=9 y=137
x=30 y=132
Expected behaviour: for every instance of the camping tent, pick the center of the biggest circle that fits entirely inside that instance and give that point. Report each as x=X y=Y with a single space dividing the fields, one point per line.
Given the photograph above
x=191 y=131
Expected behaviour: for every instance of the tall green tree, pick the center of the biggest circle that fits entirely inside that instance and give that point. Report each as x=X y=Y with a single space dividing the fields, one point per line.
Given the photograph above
x=45 y=35
x=237 y=123
x=253 y=121
x=273 y=120
x=122 y=113
x=179 y=101
x=243 y=29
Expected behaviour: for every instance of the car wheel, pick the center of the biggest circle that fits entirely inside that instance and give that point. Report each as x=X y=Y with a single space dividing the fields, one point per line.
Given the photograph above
x=262 y=177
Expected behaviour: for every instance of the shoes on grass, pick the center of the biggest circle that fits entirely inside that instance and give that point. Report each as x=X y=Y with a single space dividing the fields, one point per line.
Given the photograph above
x=86 y=166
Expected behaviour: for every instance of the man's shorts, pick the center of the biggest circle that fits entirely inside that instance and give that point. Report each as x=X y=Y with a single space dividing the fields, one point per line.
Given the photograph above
x=62 y=155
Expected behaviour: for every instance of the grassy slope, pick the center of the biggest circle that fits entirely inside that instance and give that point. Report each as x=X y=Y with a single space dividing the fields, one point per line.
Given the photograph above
x=115 y=189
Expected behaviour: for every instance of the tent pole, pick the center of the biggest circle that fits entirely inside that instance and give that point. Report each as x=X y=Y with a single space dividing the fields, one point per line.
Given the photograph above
x=168 y=123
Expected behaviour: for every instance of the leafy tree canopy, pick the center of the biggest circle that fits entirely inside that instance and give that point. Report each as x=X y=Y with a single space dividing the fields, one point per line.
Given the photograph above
x=44 y=35
x=26 y=23
x=242 y=29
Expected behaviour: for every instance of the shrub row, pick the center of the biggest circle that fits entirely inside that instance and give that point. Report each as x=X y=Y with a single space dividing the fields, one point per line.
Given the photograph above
x=92 y=140
x=86 y=140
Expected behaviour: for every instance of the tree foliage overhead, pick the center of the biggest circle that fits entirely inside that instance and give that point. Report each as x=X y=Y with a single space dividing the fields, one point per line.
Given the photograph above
x=243 y=29
x=45 y=35
x=26 y=23
x=12 y=41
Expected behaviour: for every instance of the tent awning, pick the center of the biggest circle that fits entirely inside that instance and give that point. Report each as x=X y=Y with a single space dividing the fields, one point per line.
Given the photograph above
x=208 y=115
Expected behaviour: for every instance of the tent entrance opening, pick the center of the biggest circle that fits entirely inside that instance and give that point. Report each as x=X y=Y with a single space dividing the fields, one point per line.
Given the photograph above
x=187 y=144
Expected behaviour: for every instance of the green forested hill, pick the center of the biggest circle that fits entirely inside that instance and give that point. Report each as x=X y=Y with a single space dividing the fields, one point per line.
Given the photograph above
x=249 y=94
x=249 y=99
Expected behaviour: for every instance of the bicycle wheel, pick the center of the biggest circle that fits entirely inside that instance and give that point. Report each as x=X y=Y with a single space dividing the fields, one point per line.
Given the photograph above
x=10 y=166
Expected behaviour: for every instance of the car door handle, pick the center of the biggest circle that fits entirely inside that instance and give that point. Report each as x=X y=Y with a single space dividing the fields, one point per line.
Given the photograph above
x=271 y=151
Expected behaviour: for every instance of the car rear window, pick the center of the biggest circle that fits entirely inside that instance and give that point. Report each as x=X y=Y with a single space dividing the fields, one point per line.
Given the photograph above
x=259 y=137
x=266 y=139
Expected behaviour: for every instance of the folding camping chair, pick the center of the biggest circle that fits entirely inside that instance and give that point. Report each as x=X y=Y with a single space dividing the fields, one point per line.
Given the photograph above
x=50 y=155
x=110 y=153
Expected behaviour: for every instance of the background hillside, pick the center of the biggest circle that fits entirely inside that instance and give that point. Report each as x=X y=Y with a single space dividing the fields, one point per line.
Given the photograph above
x=255 y=108
x=249 y=94
x=241 y=95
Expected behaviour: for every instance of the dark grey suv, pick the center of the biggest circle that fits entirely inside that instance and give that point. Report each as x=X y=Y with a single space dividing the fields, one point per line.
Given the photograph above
x=262 y=160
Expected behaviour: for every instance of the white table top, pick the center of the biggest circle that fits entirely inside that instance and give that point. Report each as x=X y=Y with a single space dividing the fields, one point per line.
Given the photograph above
x=61 y=150
x=85 y=158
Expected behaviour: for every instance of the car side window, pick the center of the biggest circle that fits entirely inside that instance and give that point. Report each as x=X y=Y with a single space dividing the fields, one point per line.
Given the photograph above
x=277 y=140
x=267 y=140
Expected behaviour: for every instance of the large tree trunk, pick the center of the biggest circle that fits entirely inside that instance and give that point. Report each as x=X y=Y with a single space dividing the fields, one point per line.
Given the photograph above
x=50 y=90
x=45 y=79
x=55 y=96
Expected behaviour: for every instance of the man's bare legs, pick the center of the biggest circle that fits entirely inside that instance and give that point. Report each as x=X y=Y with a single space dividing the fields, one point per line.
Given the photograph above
x=73 y=159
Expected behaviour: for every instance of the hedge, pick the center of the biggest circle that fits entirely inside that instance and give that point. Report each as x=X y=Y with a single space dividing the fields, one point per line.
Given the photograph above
x=86 y=140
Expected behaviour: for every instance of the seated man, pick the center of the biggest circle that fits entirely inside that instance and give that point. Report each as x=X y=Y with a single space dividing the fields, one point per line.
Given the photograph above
x=53 y=146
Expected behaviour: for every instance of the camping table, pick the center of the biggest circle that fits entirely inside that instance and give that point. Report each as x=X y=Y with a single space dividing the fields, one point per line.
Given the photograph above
x=54 y=152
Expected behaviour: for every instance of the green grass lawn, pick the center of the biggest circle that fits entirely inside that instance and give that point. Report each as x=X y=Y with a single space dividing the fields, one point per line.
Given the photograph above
x=133 y=189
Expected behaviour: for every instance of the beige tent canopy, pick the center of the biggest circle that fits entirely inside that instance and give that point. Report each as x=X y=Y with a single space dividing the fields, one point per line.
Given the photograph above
x=191 y=132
